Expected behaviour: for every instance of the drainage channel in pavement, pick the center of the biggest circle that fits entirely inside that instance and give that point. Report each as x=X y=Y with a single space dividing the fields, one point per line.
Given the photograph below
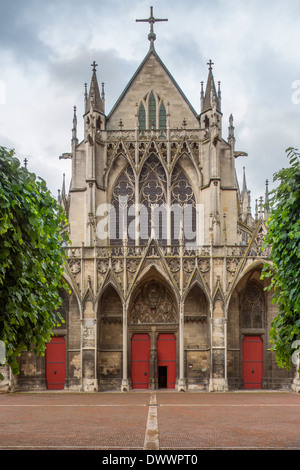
x=151 y=436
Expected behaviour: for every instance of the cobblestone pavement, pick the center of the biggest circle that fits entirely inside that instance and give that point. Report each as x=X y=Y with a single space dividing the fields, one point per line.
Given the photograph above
x=159 y=420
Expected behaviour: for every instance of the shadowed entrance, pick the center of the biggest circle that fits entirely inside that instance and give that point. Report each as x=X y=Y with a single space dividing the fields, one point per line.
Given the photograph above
x=153 y=345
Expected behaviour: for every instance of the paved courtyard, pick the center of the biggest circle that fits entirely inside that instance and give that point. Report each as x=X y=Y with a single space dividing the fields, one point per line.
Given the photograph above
x=150 y=421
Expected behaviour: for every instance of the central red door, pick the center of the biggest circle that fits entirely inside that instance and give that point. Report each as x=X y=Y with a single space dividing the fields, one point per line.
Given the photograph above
x=140 y=360
x=166 y=360
x=55 y=363
x=252 y=361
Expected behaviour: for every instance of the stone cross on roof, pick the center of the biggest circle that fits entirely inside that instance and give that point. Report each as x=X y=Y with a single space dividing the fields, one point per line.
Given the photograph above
x=210 y=63
x=151 y=20
x=94 y=65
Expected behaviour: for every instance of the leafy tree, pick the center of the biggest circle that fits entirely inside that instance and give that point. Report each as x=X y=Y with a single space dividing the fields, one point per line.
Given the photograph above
x=283 y=237
x=31 y=259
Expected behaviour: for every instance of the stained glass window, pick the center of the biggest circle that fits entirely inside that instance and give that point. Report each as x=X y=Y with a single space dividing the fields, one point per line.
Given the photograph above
x=152 y=111
x=142 y=117
x=252 y=308
x=162 y=117
x=153 y=196
x=121 y=201
x=182 y=202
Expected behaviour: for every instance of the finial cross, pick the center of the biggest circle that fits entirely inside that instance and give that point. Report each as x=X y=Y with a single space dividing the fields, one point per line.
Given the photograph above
x=151 y=20
x=210 y=63
x=94 y=65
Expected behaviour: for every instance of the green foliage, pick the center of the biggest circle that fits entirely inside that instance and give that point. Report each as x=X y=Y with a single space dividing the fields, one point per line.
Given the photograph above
x=283 y=237
x=31 y=259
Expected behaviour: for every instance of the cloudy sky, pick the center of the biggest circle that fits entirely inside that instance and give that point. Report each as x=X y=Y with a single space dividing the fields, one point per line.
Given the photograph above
x=46 y=48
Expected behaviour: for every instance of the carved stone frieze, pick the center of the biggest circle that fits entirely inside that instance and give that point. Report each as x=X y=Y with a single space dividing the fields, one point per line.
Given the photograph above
x=174 y=264
x=204 y=265
x=133 y=264
x=75 y=266
x=153 y=305
x=195 y=318
x=189 y=264
x=117 y=265
x=232 y=265
x=102 y=265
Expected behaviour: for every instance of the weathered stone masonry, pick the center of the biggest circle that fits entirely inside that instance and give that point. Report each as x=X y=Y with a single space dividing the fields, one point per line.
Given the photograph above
x=207 y=296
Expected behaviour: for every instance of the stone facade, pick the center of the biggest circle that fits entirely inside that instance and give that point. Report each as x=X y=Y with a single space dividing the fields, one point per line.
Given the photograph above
x=137 y=273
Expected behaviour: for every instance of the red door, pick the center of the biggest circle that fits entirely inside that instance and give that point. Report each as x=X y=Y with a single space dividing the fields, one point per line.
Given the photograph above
x=140 y=360
x=252 y=361
x=166 y=360
x=55 y=363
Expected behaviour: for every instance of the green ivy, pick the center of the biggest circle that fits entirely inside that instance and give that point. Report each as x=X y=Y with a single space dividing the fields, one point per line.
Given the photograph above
x=32 y=257
x=283 y=237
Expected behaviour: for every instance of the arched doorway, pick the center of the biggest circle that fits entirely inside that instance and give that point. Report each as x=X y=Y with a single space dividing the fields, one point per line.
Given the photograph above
x=110 y=339
x=153 y=326
x=55 y=359
x=252 y=313
x=197 y=337
x=56 y=363
x=248 y=323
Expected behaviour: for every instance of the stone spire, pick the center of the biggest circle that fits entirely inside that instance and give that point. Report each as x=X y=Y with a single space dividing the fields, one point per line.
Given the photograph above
x=62 y=196
x=245 y=200
x=94 y=99
x=267 y=203
x=231 y=128
x=94 y=116
x=202 y=96
x=74 y=129
x=211 y=96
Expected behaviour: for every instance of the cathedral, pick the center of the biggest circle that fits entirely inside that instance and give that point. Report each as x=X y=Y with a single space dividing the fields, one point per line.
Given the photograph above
x=164 y=268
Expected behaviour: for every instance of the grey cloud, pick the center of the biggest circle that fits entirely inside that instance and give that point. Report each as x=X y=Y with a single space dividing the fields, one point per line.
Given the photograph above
x=115 y=72
x=240 y=37
x=19 y=30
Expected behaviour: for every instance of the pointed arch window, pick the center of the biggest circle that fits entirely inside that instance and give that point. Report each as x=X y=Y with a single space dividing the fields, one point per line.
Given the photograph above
x=183 y=205
x=121 y=201
x=152 y=112
x=162 y=117
x=153 y=197
x=142 y=117
x=253 y=307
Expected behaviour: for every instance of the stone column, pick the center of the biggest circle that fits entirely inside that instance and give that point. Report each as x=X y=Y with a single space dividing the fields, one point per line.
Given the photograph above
x=88 y=347
x=125 y=384
x=181 y=380
x=218 y=375
x=153 y=383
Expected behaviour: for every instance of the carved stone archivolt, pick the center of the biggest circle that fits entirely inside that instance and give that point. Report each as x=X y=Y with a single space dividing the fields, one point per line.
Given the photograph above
x=153 y=304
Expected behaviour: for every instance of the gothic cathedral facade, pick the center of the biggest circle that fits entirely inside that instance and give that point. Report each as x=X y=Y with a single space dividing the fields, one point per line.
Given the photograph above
x=164 y=269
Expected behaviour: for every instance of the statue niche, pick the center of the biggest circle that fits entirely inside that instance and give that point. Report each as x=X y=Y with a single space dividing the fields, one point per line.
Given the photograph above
x=153 y=304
